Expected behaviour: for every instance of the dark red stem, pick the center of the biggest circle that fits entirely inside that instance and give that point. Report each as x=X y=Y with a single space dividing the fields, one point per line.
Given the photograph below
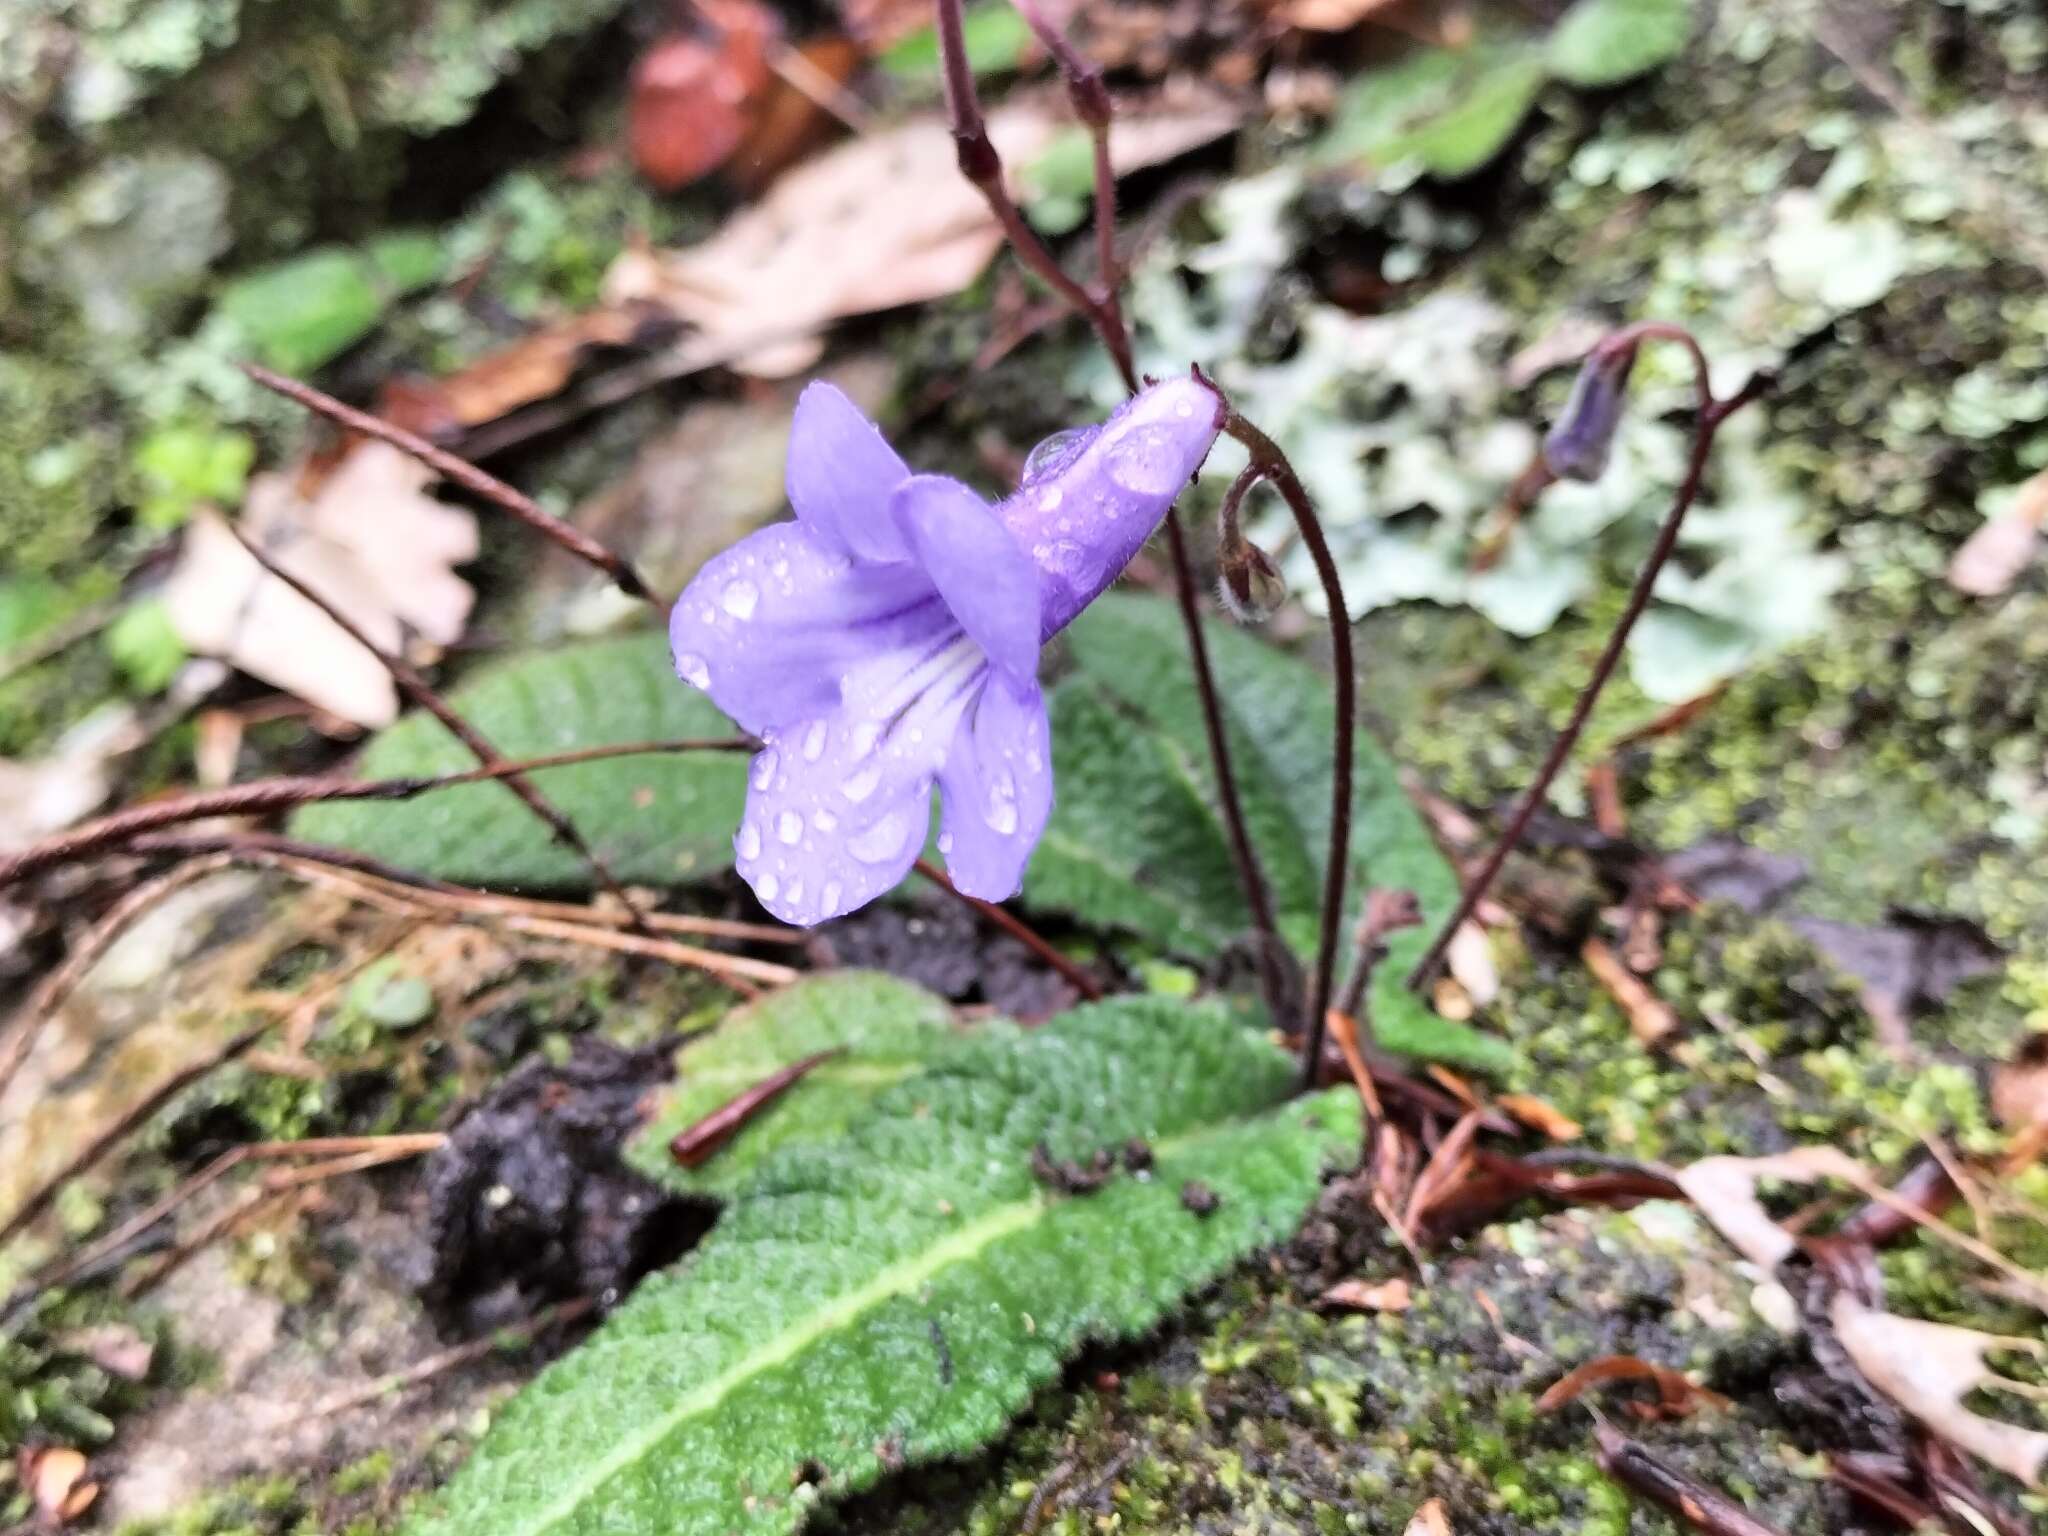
x=1712 y=413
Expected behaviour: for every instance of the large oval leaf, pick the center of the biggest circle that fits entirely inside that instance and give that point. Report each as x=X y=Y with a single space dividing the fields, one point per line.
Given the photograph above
x=659 y=818
x=893 y=1294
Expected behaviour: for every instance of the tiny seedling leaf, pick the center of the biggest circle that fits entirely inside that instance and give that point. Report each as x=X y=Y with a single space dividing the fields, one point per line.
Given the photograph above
x=659 y=818
x=894 y=1294
x=1604 y=42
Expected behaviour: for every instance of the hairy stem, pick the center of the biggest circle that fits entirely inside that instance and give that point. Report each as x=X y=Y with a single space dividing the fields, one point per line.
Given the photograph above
x=1711 y=414
x=263 y=796
x=464 y=474
x=1272 y=465
x=422 y=693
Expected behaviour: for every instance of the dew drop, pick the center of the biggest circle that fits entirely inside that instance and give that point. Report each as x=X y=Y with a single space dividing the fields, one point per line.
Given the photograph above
x=1001 y=811
x=945 y=842
x=796 y=894
x=693 y=669
x=865 y=735
x=824 y=820
x=789 y=826
x=861 y=785
x=766 y=887
x=781 y=567
x=814 y=741
x=748 y=844
x=829 y=900
x=1056 y=453
x=871 y=845
x=1052 y=498
x=739 y=597
x=764 y=768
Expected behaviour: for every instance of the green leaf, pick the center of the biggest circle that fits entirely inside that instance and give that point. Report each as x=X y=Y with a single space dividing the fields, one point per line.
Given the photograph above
x=888 y=1030
x=995 y=34
x=1603 y=42
x=659 y=818
x=185 y=464
x=896 y=1293
x=1449 y=110
x=303 y=313
x=1135 y=840
x=145 y=645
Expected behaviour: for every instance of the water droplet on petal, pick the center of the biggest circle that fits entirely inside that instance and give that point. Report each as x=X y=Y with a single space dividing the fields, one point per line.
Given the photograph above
x=814 y=741
x=781 y=567
x=789 y=826
x=865 y=735
x=748 y=844
x=1001 y=811
x=871 y=845
x=764 y=768
x=829 y=899
x=1051 y=499
x=945 y=842
x=1056 y=453
x=766 y=887
x=693 y=669
x=796 y=894
x=861 y=785
x=824 y=821
x=739 y=597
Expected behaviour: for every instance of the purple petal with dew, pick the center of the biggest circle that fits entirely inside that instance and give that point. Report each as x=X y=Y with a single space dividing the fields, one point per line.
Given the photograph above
x=982 y=572
x=837 y=805
x=771 y=626
x=1091 y=503
x=997 y=790
x=840 y=474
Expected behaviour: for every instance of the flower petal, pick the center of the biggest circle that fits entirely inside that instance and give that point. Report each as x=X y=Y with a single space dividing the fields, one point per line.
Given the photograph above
x=840 y=474
x=838 y=805
x=982 y=572
x=997 y=786
x=1089 y=503
x=771 y=626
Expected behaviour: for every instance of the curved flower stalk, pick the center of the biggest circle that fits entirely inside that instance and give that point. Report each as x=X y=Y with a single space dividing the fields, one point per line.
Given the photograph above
x=888 y=639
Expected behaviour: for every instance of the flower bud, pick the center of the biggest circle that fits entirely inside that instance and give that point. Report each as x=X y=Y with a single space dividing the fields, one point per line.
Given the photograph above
x=1578 y=445
x=1251 y=585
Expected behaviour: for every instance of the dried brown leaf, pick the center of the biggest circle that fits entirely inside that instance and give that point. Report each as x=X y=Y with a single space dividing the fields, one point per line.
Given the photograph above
x=1541 y=1116
x=1725 y=1190
x=838 y=235
x=1395 y=1295
x=1677 y=1394
x=55 y=1478
x=369 y=540
x=686 y=110
x=1929 y=1368
x=1429 y=1520
x=500 y=382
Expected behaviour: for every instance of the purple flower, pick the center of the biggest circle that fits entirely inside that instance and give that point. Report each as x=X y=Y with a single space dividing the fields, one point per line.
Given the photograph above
x=889 y=637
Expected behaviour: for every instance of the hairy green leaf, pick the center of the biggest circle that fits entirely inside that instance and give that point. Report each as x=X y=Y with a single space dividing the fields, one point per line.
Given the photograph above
x=888 y=1030
x=1604 y=42
x=895 y=1294
x=1136 y=841
x=659 y=818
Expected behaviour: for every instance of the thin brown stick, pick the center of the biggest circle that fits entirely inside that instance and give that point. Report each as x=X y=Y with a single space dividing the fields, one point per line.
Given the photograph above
x=1708 y=1510
x=1074 y=975
x=1274 y=467
x=35 y=1012
x=736 y=971
x=697 y=1143
x=124 y=1125
x=263 y=796
x=1712 y=413
x=449 y=1359
x=422 y=693
x=464 y=474
x=1090 y=98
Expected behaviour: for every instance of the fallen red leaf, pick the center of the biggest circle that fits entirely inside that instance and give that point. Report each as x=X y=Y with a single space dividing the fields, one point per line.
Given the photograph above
x=1676 y=1394
x=686 y=105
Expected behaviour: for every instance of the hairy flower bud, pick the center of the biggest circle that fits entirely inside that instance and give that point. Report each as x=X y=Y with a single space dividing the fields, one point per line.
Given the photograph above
x=1578 y=445
x=1250 y=584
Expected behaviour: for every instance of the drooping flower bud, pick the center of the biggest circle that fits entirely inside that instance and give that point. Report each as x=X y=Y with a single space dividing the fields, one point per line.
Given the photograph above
x=1250 y=584
x=1578 y=445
